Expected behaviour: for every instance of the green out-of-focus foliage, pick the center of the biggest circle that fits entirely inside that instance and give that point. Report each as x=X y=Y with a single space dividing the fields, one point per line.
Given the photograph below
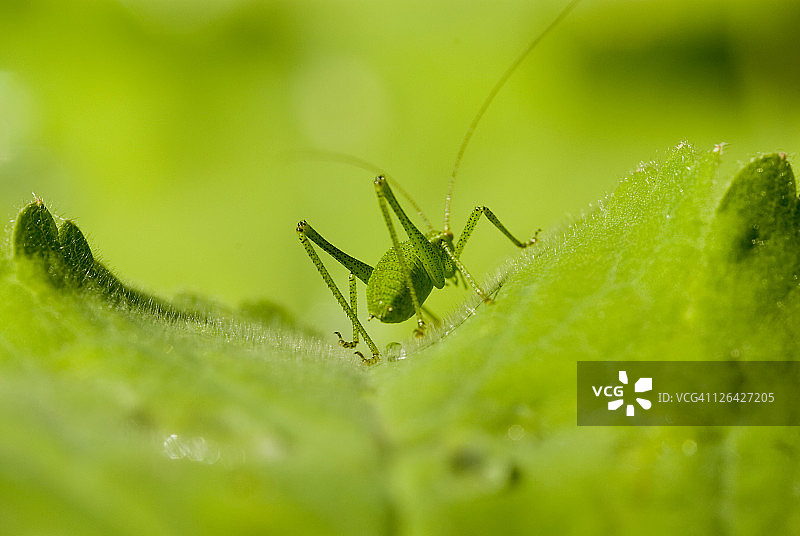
x=123 y=419
x=177 y=130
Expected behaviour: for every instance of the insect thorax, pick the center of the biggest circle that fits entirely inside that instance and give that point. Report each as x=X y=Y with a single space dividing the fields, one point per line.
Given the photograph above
x=437 y=238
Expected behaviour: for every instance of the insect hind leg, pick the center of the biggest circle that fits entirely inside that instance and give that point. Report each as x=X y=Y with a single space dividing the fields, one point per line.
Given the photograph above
x=423 y=247
x=306 y=234
x=467 y=232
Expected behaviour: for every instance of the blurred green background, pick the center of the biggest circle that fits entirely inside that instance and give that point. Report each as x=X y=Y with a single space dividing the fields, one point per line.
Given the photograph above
x=173 y=131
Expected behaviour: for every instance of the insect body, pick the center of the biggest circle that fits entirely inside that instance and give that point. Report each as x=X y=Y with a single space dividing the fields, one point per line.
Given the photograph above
x=406 y=274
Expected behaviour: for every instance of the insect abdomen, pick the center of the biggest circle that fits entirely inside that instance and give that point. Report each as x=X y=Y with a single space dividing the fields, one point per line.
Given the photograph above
x=388 y=297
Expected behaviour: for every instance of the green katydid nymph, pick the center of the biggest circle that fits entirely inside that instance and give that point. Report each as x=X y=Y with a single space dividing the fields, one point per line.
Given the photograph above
x=399 y=283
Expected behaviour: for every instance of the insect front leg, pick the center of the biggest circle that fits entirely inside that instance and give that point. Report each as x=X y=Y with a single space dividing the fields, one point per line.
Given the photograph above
x=473 y=221
x=465 y=274
x=467 y=232
x=433 y=318
x=357 y=269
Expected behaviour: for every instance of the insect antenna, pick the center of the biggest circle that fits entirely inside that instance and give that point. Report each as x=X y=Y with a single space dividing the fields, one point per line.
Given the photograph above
x=489 y=98
x=341 y=158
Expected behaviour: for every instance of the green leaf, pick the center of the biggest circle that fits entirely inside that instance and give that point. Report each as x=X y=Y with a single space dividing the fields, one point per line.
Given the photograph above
x=124 y=414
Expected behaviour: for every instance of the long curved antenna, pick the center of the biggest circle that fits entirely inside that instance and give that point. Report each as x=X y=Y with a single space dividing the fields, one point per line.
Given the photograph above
x=342 y=158
x=489 y=98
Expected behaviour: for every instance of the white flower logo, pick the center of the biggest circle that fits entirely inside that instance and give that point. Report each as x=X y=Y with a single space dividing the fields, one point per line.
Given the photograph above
x=642 y=385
